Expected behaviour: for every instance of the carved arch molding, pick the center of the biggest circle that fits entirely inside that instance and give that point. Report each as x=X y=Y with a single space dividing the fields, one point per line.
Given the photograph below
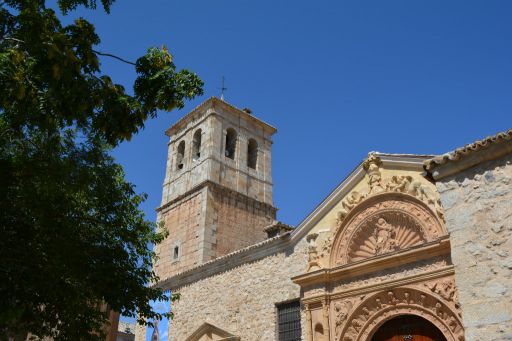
x=382 y=224
x=357 y=319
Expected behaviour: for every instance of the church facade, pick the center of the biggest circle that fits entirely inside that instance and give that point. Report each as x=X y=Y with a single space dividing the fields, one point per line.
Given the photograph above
x=407 y=247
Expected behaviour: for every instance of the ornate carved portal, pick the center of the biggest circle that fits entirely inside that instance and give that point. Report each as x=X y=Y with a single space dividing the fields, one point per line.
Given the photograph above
x=371 y=311
x=382 y=261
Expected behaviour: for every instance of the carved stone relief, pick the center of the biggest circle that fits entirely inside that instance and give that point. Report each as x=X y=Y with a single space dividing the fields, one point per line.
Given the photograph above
x=372 y=166
x=348 y=204
x=446 y=289
x=397 y=183
x=364 y=319
x=437 y=263
x=341 y=312
x=384 y=233
x=384 y=224
x=313 y=263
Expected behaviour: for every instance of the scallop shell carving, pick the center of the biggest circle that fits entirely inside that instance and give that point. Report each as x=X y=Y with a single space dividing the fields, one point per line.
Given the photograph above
x=384 y=233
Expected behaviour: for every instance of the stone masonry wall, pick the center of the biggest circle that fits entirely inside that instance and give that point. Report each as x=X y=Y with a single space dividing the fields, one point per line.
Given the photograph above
x=235 y=221
x=242 y=300
x=183 y=221
x=478 y=209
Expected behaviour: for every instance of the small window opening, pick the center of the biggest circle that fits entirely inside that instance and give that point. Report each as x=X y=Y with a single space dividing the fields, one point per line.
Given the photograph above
x=230 y=143
x=288 y=321
x=176 y=253
x=252 y=153
x=196 y=145
x=180 y=156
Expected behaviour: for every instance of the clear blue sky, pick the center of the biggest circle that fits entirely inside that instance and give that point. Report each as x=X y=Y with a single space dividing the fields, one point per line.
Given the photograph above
x=338 y=79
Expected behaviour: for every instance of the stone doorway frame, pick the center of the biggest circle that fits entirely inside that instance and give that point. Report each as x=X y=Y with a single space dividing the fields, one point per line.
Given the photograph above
x=376 y=309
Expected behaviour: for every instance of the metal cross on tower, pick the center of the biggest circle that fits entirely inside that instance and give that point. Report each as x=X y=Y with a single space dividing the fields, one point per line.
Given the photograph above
x=222 y=89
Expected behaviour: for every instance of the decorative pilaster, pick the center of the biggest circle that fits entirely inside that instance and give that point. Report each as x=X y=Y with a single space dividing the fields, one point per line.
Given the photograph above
x=309 y=327
x=325 y=311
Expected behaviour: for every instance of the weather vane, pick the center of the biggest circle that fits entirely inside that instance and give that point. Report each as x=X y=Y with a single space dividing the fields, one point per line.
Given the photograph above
x=222 y=89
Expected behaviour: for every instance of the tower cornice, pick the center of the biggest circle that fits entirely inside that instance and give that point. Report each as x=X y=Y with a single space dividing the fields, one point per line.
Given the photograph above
x=216 y=186
x=215 y=103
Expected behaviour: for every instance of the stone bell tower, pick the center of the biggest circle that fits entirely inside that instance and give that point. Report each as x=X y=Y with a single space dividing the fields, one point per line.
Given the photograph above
x=217 y=192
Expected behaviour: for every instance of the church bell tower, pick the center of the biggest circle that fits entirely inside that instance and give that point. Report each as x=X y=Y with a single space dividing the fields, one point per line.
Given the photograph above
x=217 y=192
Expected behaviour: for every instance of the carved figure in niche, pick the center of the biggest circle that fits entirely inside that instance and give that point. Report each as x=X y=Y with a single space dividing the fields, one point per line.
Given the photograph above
x=452 y=323
x=385 y=237
x=406 y=297
x=357 y=325
x=350 y=335
x=391 y=297
x=366 y=312
x=372 y=167
x=422 y=300
x=341 y=311
x=438 y=309
x=378 y=303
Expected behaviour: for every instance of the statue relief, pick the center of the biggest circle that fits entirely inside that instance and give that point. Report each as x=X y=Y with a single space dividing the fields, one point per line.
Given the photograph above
x=341 y=311
x=313 y=263
x=383 y=233
x=406 y=184
x=385 y=237
x=372 y=167
x=348 y=204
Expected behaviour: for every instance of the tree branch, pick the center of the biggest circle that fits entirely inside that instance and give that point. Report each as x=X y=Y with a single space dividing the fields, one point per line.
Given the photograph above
x=13 y=39
x=95 y=51
x=113 y=56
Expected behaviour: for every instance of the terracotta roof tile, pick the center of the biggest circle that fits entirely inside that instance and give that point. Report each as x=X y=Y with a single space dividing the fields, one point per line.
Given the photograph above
x=460 y=153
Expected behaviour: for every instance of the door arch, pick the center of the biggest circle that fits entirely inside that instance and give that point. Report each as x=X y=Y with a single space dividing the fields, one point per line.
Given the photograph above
x=408 y=328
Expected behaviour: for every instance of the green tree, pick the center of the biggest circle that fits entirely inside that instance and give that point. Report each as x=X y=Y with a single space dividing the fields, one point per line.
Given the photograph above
x=71 y=231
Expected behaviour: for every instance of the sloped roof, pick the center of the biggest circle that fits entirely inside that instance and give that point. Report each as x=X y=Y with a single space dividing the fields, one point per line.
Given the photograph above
x=470 y=155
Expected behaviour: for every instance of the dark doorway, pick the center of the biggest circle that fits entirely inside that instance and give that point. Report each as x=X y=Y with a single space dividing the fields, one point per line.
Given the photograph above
x=408 y=328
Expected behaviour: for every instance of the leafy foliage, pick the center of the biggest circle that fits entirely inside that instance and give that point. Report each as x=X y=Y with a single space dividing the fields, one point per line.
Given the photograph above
x=72 y=235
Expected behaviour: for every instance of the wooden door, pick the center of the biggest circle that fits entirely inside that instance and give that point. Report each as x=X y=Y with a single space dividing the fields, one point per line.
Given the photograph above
x=408 y=328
